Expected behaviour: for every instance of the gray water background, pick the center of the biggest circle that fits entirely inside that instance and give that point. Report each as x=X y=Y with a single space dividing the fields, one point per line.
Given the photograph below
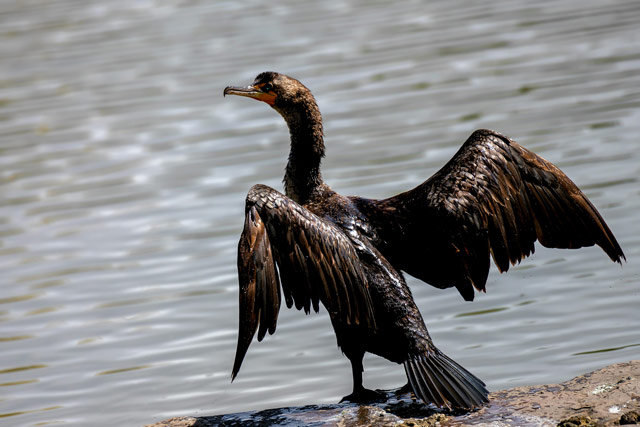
x=123 y=174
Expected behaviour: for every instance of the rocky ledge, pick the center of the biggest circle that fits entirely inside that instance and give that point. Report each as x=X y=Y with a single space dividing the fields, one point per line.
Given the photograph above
x=606 y=397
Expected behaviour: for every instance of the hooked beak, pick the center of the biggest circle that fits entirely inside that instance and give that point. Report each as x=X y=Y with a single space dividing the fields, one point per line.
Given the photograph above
x=251 y=92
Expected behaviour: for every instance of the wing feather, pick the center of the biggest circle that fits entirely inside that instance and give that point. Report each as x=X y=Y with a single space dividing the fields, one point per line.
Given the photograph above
x=493 y=197
x=259 y=286
x=285 y=245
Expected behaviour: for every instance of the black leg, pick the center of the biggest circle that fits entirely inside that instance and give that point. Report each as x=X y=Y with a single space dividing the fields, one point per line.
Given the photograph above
x=360 y=394
x=356 y=371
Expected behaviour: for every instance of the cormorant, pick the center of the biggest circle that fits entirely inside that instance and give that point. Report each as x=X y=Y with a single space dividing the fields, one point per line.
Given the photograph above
x=494 y=198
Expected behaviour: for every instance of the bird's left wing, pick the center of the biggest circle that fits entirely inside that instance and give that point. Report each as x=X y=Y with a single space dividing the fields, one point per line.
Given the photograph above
x=493 y=198
x=283 y=243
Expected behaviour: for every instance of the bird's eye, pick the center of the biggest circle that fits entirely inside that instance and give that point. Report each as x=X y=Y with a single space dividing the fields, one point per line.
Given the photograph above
x=267 y=88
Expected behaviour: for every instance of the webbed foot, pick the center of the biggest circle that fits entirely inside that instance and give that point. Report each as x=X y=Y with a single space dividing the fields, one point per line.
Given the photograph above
x=365 y=396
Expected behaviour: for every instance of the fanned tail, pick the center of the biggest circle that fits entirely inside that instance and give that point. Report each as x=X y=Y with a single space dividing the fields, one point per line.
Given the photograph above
x=435 y=378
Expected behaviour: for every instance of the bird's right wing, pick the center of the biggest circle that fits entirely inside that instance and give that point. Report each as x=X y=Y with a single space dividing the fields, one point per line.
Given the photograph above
x=315 y=262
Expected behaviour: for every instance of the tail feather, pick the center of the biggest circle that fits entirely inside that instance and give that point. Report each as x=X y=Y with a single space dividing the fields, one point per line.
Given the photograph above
x=455 y=390
x=461 y=372
x=423 y=386
x=440 y=386
x=437 y=379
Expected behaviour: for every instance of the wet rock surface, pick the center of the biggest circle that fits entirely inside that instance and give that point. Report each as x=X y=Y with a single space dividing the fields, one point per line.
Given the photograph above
x=609 y=396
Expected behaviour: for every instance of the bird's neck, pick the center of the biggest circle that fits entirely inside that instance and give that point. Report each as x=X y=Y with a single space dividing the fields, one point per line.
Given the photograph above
x=302 y=175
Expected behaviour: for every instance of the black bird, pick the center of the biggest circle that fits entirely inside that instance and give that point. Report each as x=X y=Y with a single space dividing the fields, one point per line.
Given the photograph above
x=494 y=198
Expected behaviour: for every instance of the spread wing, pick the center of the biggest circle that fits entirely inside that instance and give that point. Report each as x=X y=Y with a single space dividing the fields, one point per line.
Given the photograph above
x=494 y=197
x=285 y=244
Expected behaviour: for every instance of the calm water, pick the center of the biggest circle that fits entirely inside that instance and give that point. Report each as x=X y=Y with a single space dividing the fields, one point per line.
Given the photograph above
x=123 y=175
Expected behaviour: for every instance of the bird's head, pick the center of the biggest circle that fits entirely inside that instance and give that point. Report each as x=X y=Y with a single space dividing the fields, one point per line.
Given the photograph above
x=285 y=94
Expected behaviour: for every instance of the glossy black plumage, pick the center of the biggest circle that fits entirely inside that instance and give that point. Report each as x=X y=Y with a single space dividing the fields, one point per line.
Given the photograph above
x=494 y=199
